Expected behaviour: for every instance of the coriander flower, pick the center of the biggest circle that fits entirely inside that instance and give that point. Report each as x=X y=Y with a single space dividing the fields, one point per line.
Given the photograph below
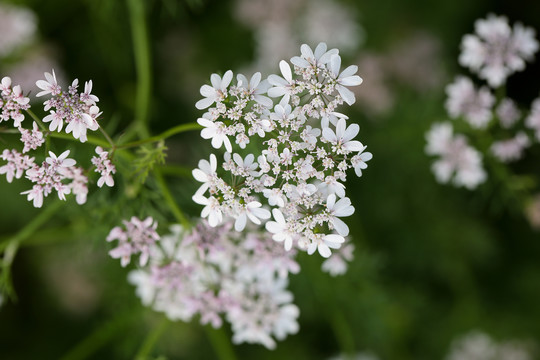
x=215 y=93
x=496 y=50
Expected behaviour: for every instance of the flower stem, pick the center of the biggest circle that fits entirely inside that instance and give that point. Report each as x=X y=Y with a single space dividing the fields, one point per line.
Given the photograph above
x=142 y=62
x=168 y=133
x=220 y=343
x=151 y=340
x=173 y=206
x=100 y=337
x=11 y=246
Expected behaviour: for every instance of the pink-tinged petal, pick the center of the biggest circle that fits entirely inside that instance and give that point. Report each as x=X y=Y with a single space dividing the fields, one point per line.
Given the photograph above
x=254 y=219
x=353 y=146
x=340 y=128
x=311 y=248
x=351 y=81
x=277 y=92
x=325 y=59
x=227 y=144
x=329 y=135
x=274 y=227
x=213 y=163
x=366 y=156
x=277 y=80
x=215 y=80
x=205 y=122
x=208 y=91
x=340 y=226
x=199 y=175
x=330 y=201
x=226 y=80
x=217 y=141
x=349 y=71
x=204 y=103
x=335 y=64
x=351 y=132
x=241 y=80
x=255 y=80
x=240 y=222
x=334 y=239
x=320 y=50
x=300 y=62
x=264 y=101
x=306 y=52
x=285 y=70
x=215 y=218
x=346 y=94
x=324 y=250
x=288 y=243
x=343 y=208
x=260 y=213
x=208 y=133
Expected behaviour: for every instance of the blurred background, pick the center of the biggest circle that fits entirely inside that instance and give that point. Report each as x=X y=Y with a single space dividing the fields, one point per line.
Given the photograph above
x=432 y=263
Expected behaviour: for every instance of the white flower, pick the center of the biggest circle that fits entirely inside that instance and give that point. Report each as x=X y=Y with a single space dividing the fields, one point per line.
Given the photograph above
x=511 y=149
x=256 y=88
x=253 y=212
x=457 y=157
x=50 y=86
x=212 y=209
x=282 y=86
x=61 y=161
x=343 y=136
x=465 y=100
x=342 y=208
x=508 y=113
x=316 y=59
x=216 y=132
x=246 y=166
x=496 y=51
x=323 y=243
x=281 y=230
x=359 y=161
x=533 y=120
x=205 y=173
x=215 y=93
x=344 y=79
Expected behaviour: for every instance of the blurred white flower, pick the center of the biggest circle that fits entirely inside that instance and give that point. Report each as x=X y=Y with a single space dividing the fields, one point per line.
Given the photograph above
x=18 y=27
x=496 y=50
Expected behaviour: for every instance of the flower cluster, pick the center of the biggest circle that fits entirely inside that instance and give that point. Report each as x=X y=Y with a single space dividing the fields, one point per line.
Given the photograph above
x=480 y=346
x=104 y=167
x=79 y=111
x=217 y=273
x=458 y=160
x=497 y=50
x=307 y=149
x=12 y=102
x=138 y=238
x=495 y=126
x=56 y=173
x=17 y=26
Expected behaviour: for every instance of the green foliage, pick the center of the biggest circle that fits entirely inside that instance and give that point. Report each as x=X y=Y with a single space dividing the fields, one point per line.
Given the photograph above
x=148 y=157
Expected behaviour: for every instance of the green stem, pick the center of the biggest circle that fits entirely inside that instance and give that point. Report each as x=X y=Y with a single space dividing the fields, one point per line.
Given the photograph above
x=104 y=133
x=220 y=343
x=100 y=337
x=91 y=140
x=142 y=64
x=151 y=340
x=172 y=131
x=173 y=206
x=177 y=170
x=11 y=246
